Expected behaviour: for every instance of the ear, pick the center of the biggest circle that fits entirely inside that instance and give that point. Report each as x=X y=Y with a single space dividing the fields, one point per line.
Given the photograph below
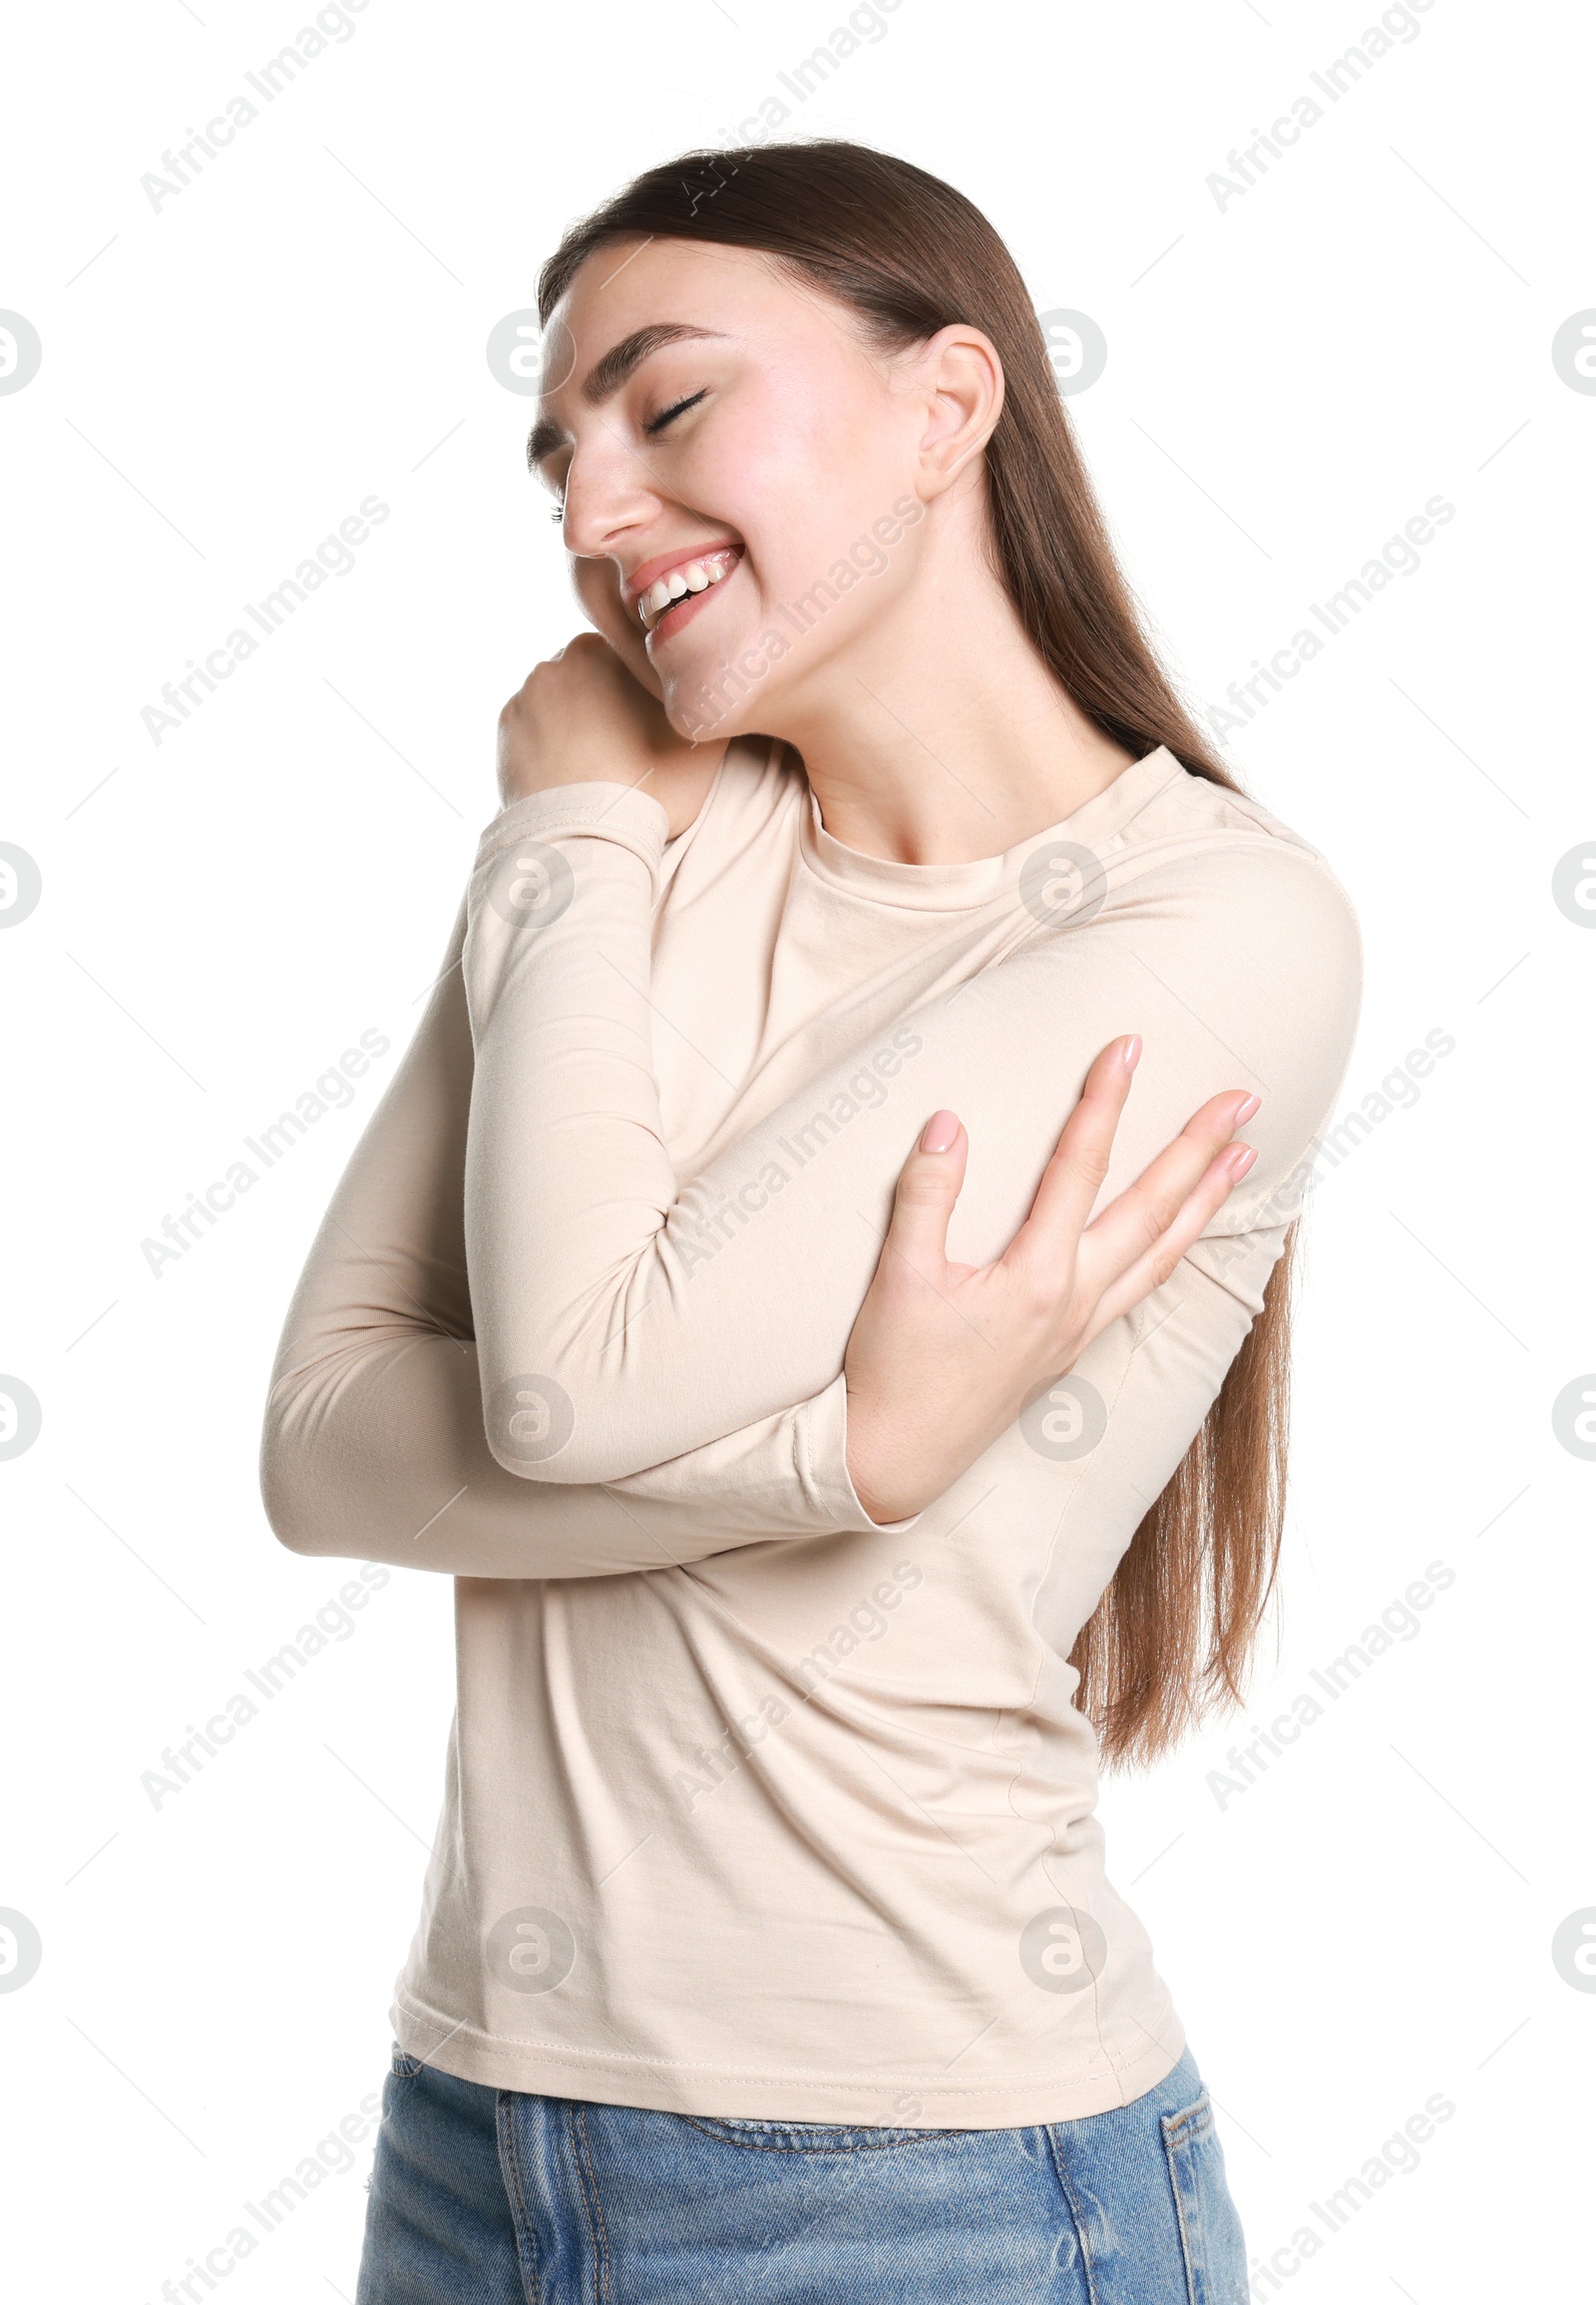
x=961 y=382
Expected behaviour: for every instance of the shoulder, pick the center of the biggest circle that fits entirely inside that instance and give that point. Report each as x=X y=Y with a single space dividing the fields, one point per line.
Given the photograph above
x=1191 y=913
x=759 y=777
x=1241 y=883
x=753 y=803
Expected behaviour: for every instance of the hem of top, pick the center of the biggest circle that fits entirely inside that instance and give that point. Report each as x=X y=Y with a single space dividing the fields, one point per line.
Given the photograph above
x=711 y=2093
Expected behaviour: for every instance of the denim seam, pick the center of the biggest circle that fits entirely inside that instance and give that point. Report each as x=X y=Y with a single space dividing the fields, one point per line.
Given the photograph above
x=510 y=2175
x=592 y=2207
x=1078 y=2221
x=1181 y=2131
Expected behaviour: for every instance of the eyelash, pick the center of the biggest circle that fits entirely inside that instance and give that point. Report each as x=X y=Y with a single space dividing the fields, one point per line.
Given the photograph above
x=656 y=424
x=660 y=421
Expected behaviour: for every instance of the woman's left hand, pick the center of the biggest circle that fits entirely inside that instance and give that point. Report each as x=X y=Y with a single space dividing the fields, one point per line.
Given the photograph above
x=582 y=718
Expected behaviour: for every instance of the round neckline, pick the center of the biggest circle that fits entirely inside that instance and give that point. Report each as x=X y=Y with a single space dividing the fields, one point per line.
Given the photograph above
x=966 y=886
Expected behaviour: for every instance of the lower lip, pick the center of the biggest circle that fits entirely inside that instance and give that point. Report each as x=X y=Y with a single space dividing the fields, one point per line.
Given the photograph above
x=682 y=611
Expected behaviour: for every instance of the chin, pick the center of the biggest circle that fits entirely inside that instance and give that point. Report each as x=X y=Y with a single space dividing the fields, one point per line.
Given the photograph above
x=709 y=694
x=708 y=719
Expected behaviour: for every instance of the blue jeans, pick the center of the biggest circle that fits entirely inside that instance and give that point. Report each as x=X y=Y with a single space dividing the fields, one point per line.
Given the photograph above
x=498 y=2197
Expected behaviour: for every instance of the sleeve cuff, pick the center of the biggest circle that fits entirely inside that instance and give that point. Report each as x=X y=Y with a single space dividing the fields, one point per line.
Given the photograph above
x=623 y=812
x=823 y=1449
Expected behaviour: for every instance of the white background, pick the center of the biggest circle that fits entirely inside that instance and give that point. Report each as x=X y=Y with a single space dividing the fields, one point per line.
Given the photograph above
x=1289 y=378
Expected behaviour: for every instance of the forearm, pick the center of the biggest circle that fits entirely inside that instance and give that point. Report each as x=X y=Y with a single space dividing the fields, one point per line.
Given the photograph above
x=374 y=1444
x=376 y=1450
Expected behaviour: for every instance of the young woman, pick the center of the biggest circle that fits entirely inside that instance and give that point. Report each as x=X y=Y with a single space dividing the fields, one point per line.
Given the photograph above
x=714 y=1295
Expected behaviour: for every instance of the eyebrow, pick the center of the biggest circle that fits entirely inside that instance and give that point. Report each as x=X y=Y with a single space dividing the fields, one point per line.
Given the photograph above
x=607 y=375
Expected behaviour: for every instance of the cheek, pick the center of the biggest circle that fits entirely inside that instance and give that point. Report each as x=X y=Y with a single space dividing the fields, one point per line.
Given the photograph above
x=777 y=470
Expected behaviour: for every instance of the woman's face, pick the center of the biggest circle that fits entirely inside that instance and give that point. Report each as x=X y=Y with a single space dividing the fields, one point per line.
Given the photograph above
x=718 y=429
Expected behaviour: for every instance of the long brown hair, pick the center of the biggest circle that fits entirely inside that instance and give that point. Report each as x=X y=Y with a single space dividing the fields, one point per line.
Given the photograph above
x=1172 y=1638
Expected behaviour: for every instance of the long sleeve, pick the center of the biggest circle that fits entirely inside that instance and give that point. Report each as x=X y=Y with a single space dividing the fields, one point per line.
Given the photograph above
x=622 y=1321
x=373 y=1443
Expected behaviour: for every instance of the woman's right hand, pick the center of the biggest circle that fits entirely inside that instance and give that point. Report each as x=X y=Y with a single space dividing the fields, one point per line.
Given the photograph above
x=942 y=1357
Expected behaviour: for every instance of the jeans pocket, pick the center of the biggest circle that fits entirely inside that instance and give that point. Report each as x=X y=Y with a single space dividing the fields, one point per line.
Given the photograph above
x=404 y=2067
x=806 y=2136
x=1211 y=2245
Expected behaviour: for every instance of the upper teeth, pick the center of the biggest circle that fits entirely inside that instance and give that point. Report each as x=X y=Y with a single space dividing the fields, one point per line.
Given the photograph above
x=692 y=577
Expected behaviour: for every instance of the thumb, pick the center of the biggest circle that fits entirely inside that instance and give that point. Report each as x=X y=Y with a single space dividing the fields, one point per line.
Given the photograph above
x=928 y=1184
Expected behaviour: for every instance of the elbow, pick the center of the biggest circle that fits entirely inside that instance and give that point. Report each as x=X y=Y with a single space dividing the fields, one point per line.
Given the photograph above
x=289 y=1523
x=286 y=1491
x=572 y=1467
x=535 y=1430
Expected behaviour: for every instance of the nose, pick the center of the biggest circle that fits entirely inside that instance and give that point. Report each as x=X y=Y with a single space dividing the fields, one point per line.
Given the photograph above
x=609 y=499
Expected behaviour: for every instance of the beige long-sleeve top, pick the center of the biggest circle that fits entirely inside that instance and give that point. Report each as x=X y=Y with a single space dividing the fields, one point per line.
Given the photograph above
x=753 y=1807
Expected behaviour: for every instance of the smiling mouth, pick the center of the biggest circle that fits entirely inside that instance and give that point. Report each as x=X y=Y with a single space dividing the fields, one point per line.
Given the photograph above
x=684 y=583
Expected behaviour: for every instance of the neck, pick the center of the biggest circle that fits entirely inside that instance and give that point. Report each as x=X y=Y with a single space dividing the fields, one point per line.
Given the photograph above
x=940 y=736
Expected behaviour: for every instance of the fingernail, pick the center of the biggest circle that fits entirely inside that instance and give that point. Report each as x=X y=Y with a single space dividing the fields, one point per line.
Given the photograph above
x=1131 y=1052
x=1241 y=1160
x=1247 y=1110
x=939 y=1132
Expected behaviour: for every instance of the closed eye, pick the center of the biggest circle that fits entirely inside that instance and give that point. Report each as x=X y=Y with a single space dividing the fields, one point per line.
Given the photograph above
x=668 y=416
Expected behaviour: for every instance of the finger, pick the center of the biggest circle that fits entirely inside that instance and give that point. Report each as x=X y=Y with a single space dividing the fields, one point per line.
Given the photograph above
x=1153 y=1268
x=1078 y=1163
x=1136 y=1219
x=928 y=1184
